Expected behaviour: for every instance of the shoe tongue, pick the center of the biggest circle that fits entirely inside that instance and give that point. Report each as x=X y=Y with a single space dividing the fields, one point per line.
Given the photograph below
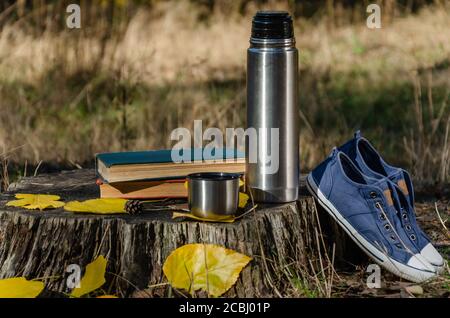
x=383 y=184
x=396 y=175
x=399 y=179
x=392 y=200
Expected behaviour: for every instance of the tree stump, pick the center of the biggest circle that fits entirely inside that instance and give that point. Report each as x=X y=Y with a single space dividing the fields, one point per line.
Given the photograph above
x=285 y=241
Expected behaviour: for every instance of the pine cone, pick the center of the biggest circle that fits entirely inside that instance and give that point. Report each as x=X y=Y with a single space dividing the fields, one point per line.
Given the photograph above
x=134 y=207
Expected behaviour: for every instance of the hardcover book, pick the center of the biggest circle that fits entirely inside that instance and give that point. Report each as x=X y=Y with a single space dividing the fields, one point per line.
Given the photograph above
x=144 y=189
x=158 y=164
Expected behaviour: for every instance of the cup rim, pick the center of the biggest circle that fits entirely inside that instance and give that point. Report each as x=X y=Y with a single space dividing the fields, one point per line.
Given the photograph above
x=213 y=176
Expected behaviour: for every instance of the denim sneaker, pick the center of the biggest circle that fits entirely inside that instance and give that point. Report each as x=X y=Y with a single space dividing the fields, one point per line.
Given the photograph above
x=364 y=208
x=364 y=155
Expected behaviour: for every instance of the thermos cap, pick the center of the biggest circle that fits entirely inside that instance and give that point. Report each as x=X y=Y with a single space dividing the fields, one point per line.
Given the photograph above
x=272 y=25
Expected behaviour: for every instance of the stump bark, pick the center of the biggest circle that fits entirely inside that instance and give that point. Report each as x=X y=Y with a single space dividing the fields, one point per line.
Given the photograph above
x=284 y=241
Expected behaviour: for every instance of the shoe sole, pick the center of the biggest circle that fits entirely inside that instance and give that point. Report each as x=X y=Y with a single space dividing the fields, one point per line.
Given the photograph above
x=440 y=269
x=395 y=267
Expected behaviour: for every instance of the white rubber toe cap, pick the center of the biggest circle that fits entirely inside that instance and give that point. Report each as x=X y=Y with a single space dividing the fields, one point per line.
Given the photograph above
x=433 y=257
x=420 y=269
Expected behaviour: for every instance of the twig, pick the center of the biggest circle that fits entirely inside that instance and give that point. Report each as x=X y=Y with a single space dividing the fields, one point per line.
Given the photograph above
x=322 y=269
x=4 y=153
x=47 y=278
x=439 y=216
x=318 y=284
x=96 y=254
x=130 y=283
x=206 y=270
x=37 y=168
x=158 y=285
x=332 y=269
x=322 y=239
x=25 y=169
x=246 y=212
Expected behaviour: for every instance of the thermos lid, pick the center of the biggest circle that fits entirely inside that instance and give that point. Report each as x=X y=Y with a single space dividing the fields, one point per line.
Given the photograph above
x=272 y=25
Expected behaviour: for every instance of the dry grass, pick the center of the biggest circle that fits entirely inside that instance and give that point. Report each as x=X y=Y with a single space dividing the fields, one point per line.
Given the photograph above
x=429 y=153
x=166 y=67
x=169 y=45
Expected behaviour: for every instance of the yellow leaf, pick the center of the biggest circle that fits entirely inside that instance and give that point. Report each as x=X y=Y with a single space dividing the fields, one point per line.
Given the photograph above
x=243 y=199
x=93 y=278
x=97 y=206
x=107 y=296
x=211 y=268
x=19 y=287
x=36 y=201
x=224 y=218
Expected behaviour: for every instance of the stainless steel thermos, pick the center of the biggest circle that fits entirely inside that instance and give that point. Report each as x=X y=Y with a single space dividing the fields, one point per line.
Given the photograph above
x=272 y=76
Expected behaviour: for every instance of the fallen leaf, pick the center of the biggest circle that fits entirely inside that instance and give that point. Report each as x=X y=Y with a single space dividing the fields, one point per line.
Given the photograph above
x=243 y=199
x=206 y=267
x=93 y=278
x=97 y=206
x=19 y=287
x=224 y=218
x=107 y=296
x=414 y=289
x=36 y=201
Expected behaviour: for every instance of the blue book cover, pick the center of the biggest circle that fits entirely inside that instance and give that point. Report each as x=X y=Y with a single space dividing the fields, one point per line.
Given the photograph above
x=165 y=156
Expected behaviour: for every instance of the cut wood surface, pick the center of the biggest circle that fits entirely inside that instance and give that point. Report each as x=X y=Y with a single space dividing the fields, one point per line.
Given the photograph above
x=284 y=241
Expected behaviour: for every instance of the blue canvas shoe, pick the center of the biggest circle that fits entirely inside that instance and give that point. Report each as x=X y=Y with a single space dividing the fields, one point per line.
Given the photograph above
x=369 y=161
x=365 y=209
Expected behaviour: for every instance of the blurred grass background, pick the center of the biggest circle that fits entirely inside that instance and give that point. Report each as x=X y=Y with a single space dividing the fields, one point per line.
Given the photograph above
x=138 y=69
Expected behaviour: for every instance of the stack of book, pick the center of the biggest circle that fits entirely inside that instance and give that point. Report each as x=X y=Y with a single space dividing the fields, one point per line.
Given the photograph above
x=153 y=174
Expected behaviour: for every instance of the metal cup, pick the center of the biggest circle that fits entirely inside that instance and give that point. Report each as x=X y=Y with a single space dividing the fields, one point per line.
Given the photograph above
x=213 y=195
